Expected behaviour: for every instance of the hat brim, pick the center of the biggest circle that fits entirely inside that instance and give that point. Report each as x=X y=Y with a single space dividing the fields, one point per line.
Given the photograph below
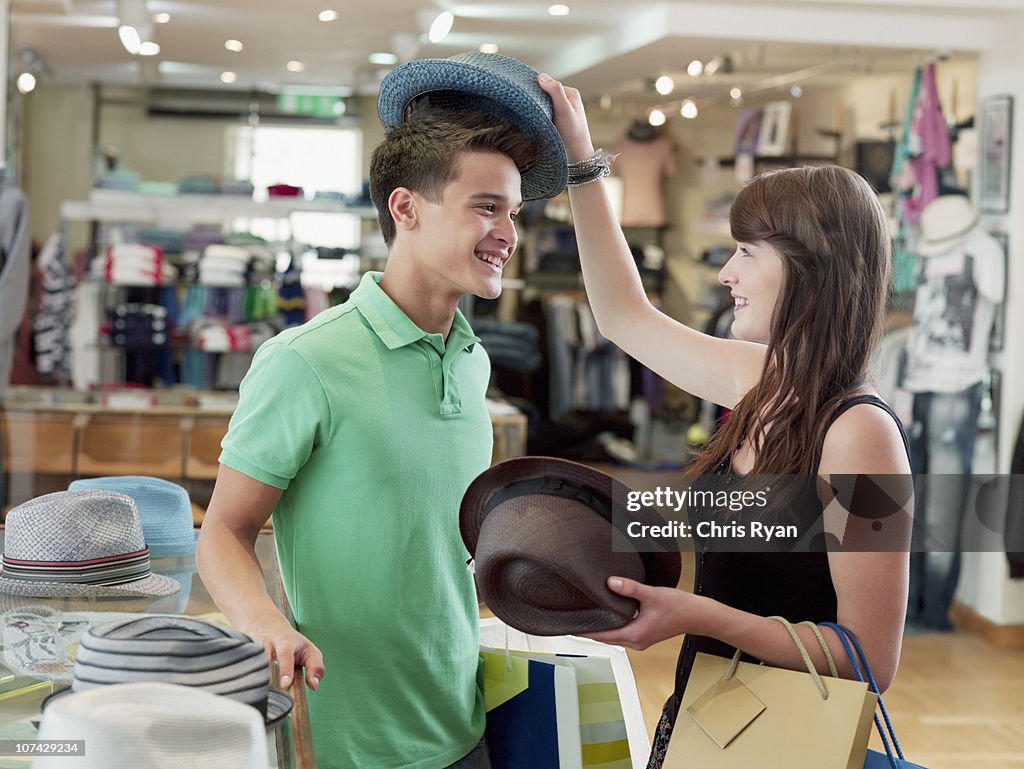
x=182 y=547
x=664 y=561
x=498 y=96
x=279 y=705
x=154 y=585
x=942 y=245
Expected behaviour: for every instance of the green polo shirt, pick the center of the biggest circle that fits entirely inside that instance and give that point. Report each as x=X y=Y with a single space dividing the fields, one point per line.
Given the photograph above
x=374 y=428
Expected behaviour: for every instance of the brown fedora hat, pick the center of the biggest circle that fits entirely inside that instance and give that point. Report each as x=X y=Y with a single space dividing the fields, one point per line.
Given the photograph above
x=544 y=542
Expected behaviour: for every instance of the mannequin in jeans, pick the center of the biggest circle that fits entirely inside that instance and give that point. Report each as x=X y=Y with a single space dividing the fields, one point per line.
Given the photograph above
x=960 y=282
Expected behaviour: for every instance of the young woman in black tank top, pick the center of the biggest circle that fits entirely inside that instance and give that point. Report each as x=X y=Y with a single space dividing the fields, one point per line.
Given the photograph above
x=810 y=279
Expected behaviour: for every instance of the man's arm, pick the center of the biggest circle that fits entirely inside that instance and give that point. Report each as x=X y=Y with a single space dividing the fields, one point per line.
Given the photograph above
x=226 y=555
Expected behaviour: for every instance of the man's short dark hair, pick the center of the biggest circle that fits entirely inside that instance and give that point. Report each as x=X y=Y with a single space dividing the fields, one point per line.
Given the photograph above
x=423 y=154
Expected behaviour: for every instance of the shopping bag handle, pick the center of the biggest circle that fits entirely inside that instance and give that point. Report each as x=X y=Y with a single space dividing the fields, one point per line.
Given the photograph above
x=849 y=640
x=808 y=663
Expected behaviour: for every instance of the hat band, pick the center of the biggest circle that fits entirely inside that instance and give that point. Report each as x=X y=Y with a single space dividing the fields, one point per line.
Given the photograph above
x=587 y=495
x=111 y=570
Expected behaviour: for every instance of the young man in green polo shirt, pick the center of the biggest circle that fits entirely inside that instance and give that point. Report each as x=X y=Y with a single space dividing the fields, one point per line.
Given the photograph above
x=360 y=431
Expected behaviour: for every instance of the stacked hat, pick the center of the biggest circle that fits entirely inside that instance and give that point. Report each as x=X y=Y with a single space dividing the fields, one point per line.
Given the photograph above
x=546 y=534
x=78 y=543
x=495 y=85
x=152 y=726
x=224 y=265
x=178 y=650
x=164 y=509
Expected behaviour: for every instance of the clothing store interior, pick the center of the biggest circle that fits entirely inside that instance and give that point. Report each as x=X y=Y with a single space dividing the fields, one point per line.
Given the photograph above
x=185 y=180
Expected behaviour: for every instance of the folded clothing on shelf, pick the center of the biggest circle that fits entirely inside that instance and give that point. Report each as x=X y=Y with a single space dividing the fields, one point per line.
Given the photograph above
x=135 y=325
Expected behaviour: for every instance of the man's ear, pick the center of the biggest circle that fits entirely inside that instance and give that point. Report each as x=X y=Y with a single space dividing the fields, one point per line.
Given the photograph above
x=402 y=205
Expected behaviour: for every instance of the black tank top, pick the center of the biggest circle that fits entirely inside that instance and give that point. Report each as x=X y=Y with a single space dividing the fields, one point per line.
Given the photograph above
x=795 y=585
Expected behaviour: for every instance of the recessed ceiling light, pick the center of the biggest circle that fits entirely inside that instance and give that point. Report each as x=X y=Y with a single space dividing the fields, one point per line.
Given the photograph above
x=149 y=48
x=228 y=77
x=735 y=93
x=694 y=68
x=26 y=82
x=664 y=85
x=129 y=38
x=558 y=10
x=295 y=66
x=656 y=118
x=162 y=18
x=441 y=27
x=327 y=15
x=382 y=57
x=605 y=101
x=796 y=92
x=489 y=48
x=689 y=109
x=234 y=45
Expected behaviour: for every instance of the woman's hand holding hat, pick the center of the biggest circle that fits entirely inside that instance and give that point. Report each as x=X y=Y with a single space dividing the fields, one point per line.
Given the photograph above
x=664 y=613
x=569 y=117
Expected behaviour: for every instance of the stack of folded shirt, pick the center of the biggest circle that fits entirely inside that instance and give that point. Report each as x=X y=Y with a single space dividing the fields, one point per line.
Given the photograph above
x=134 y=264
x=222 y=265
x=223 y=338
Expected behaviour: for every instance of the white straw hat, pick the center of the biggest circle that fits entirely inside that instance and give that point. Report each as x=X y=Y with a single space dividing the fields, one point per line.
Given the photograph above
x=945 y=223
x=78 y=543
x=153 y=726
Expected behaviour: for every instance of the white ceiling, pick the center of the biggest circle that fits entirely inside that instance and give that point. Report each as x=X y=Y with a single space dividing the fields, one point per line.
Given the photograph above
x=603 y=46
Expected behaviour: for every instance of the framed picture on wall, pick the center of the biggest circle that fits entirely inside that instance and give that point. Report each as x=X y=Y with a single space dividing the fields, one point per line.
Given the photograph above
x=773 y=138
x=998 y=336
x=994 y=150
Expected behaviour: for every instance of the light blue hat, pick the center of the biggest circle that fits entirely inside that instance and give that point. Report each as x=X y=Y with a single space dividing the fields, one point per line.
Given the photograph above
x=164 y=508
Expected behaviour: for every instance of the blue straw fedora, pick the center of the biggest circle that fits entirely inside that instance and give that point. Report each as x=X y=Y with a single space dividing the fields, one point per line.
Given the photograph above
x=484 y=82
x=164 y=507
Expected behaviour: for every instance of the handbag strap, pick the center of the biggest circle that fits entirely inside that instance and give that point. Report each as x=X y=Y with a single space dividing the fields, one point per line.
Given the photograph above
x=847 y=637
x=818 y=683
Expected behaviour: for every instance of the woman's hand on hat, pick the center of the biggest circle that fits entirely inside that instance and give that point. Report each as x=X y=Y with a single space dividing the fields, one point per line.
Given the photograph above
x=662 y=615
x=569 y=117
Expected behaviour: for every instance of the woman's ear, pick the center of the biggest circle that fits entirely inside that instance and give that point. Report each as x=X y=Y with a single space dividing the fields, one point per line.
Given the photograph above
x=402 y=205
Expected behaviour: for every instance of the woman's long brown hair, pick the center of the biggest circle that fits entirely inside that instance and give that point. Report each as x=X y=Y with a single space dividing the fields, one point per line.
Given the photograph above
x=831 y=232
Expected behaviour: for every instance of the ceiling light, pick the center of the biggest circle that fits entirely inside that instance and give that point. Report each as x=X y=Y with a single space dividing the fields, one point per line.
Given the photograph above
x=327 y=15
x=558 y=10
x=489 y=48
x=149 y=48
x=26 y=82
x=713 y=66
x=234 y=45
x=694 y=68
x=228 y=77
x=735 y=93
x=664 y=85
x=796 y=92
x=383 y=57
x=162 y=18
x=295 y=66
x=441 y=27
x=605 y=101
x=129 y=38
x=656 y=118
x=689 y=109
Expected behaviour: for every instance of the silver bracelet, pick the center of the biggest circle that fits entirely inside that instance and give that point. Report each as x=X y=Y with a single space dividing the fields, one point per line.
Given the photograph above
x=590 y=169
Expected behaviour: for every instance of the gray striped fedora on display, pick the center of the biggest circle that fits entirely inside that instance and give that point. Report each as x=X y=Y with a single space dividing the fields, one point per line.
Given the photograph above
x=496 y=85
x=78 y=543
x=178 y=650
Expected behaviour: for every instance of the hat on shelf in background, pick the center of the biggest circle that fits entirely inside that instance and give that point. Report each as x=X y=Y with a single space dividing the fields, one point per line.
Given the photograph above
x=544 y=541
x=496 y=85
x=178 y=650
x=945 y=223
x=164 y=509
x=78 y=543
x=153 y=726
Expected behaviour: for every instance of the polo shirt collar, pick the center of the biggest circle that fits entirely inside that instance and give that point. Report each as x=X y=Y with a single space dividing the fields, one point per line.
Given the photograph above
x=395 y=328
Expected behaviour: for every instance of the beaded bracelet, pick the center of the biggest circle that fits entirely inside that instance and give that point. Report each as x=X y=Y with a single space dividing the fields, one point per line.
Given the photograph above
x=590 y=169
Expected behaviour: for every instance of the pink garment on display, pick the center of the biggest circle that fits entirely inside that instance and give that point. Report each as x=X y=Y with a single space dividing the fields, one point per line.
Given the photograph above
x=643 y=166
x=936 y=153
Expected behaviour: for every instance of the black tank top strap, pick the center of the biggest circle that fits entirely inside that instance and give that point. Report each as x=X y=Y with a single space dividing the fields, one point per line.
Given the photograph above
x=843 y=407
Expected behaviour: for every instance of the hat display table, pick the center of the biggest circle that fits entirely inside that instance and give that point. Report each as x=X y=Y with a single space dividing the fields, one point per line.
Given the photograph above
x=31 y=666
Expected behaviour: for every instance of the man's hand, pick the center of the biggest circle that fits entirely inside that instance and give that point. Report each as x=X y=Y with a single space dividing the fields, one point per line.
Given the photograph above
x=292 y=650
